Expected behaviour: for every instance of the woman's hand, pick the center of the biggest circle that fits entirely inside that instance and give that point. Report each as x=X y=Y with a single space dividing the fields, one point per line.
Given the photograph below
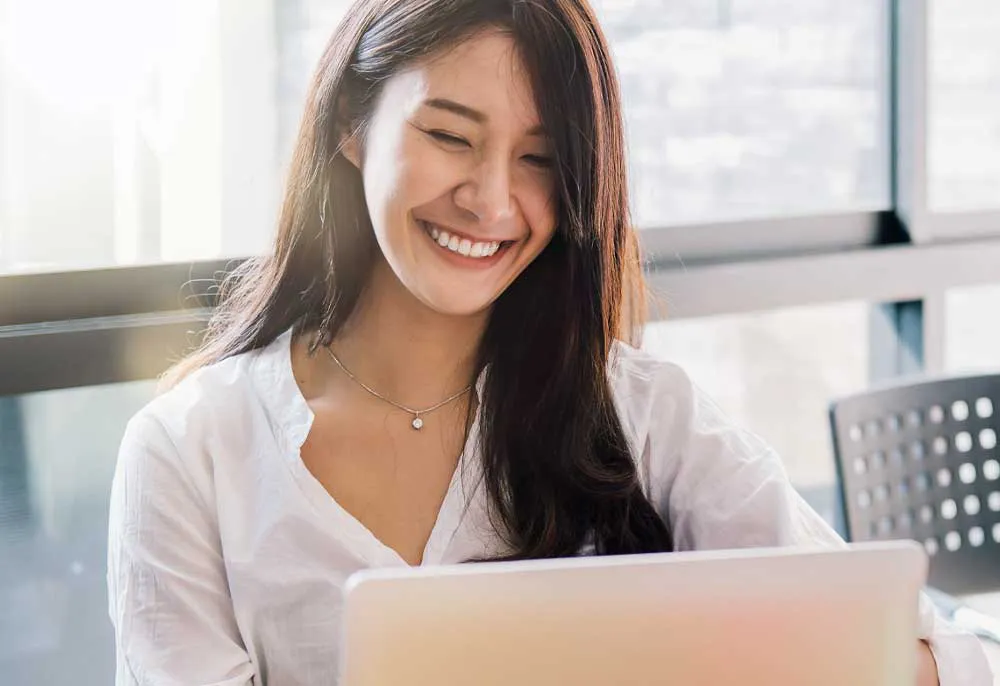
x=926 y=666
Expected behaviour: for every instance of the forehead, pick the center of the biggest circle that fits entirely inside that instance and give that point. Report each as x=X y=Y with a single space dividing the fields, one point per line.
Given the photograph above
x=485 y=72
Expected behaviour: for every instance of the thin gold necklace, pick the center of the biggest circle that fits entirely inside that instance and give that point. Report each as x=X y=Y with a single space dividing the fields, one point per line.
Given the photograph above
x=417 y=422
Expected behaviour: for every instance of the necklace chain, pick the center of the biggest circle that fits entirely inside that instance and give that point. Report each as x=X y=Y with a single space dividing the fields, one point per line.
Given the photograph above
x=417 y=422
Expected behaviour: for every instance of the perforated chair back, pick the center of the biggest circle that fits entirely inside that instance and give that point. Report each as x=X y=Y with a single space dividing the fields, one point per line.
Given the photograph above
x=920 y=461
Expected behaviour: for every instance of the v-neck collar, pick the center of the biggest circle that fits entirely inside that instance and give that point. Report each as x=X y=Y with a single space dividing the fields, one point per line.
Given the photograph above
x=292 y=420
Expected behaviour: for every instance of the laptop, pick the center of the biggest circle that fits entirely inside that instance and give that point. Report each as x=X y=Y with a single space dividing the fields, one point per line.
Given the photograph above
x=761 y=616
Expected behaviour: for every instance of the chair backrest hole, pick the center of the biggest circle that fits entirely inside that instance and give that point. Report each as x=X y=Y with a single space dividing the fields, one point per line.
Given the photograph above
x=967 y=473
x=976 y=536
x=988 y=439
x=944 y=477
x=991 y=470
x=960 y=410
x=984 y=408
x=971 y=505
x=948 y=509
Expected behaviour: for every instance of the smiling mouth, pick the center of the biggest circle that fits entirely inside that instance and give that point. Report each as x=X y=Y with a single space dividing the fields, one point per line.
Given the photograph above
x=465 y=247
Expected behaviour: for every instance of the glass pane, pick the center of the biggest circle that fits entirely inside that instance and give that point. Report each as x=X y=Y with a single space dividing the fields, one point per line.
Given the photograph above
x=57 y=458
x=776 y=373
x=972 y=330
x=139 y=132
x=746 y=108
x=964 y=101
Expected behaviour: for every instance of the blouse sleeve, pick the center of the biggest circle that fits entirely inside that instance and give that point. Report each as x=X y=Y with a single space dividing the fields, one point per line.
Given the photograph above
x=722 y=487
x=167 y=590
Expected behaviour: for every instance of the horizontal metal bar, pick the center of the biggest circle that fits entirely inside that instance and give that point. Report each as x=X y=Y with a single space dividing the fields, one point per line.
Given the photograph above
x=112 y=292
x=883 y=274
x=109 y=350
x=964 y=225
x=101 y=323
x=728 y=241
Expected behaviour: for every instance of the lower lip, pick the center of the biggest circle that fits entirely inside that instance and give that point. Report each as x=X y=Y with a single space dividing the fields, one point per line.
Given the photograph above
x=460 y=260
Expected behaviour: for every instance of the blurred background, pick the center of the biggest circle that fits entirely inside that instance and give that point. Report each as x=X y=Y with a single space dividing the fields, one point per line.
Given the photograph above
x=817 y=183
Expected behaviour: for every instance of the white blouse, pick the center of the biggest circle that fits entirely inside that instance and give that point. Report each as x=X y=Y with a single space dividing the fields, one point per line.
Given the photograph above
x=227 y=558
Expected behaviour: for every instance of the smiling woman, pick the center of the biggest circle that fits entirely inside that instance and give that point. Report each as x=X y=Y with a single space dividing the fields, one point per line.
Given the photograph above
x=431 y=366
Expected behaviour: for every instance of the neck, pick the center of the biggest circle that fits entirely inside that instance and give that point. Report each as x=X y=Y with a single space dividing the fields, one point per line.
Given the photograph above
x=402 y=348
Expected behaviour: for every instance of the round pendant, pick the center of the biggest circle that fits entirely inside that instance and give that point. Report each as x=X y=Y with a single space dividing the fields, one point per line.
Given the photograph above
x=417 y=423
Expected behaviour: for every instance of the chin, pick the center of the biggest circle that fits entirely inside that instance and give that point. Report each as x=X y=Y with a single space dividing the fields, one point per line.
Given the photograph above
x=460 y=309
x=457 y=307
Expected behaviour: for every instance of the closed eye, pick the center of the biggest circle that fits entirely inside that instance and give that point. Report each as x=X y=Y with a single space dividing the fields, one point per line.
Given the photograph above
x=539 y=161
x=447 y=138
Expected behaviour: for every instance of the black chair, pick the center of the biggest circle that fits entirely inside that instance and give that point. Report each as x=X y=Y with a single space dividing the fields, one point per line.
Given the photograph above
x=921 y=461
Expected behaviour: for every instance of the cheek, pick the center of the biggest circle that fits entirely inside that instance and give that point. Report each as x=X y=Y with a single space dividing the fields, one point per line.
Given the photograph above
x=540 y=212
x=384 y=168
x=382 y=183
x=416 y=176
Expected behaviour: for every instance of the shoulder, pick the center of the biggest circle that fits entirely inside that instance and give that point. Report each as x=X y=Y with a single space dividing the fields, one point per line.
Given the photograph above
x=218 y=411
x=645 y=387
x=718 y=484
x=657 y=395
x=676 y=429
x=221 y=391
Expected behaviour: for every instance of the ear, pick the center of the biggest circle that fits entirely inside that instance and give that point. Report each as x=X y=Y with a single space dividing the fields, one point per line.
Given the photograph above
x=351 y=150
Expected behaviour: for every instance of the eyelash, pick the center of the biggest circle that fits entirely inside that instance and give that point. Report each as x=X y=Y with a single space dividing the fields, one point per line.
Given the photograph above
x=445 y=137
x=450 y=139
x=539 y=161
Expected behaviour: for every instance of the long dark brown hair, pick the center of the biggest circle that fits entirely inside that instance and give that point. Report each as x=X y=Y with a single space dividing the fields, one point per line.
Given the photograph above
x=558 y=468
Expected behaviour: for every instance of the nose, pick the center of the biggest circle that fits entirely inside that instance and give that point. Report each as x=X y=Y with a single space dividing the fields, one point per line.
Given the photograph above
x=487 y=194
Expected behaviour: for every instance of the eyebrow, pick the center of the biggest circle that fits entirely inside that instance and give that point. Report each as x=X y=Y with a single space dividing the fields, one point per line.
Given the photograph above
x=471 y=114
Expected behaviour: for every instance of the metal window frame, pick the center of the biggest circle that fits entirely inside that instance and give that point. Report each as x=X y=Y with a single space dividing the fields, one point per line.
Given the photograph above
x=912 y=93
x=740 y=241
x=110 y=292
x=881 y=274
x=910 y=131
x=92 y=352
x=84 y=328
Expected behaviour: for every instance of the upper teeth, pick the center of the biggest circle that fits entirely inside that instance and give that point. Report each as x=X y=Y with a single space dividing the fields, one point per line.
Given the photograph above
x=464 y=246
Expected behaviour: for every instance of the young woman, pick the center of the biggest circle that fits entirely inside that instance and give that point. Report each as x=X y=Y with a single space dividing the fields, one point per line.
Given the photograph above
x=427 y=368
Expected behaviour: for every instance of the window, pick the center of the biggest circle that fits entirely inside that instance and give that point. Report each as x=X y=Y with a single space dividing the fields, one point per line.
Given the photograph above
x=171 y=154
x=964 y=105
x=745 y=108
x=972 y=329
x=57 y=457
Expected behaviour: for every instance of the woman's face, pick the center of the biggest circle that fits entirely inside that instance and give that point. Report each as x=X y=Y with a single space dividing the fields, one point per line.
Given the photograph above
x=458 y=175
